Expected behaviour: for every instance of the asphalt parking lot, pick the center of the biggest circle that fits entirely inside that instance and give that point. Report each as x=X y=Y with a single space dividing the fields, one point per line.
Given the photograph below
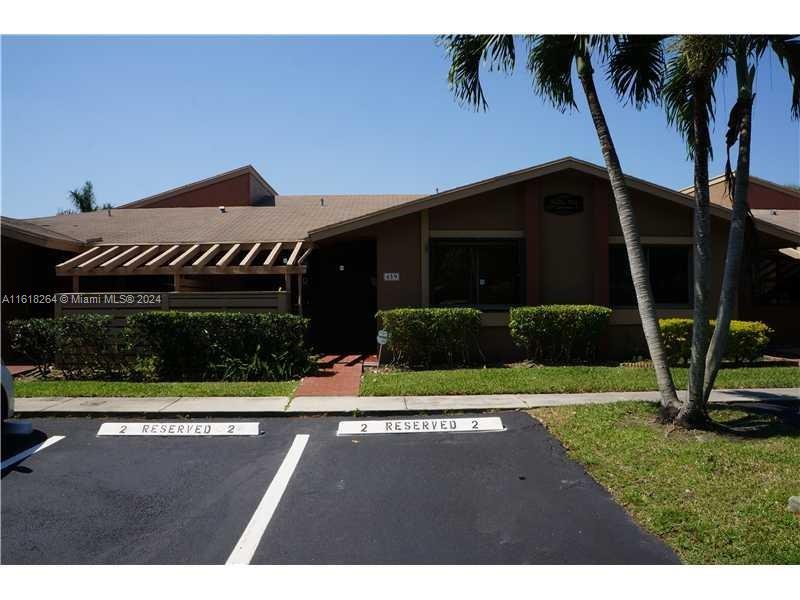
x=509 y=497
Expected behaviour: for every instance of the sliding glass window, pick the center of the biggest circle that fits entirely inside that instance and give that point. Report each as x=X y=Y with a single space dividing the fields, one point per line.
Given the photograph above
x=670 y=268
x=486 y=274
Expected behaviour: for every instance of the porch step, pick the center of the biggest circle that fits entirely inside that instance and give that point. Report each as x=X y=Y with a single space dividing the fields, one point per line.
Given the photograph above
x=352 y=359
x=328 y=360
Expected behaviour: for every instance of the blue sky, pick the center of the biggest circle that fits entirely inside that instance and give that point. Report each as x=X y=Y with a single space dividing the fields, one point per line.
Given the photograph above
x=139 y=115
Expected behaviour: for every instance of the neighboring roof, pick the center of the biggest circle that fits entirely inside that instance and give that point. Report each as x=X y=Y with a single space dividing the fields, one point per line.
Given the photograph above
x=766 y=183
x=788 y=219
x=40 y=236
x=304 y=217
x=513 y=177
x=289 y=219
x=247 y=169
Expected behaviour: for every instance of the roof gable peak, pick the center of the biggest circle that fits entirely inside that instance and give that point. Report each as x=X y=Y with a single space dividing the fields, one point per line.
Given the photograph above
x=194 y=186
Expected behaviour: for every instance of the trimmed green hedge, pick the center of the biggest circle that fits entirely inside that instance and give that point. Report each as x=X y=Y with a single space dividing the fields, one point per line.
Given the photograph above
x=677 y=336
x=175 y=345
x=746 y=342
x=80 y=345
x=559 y=332
x=88 y=347
x=36 y=340
x=421 y=337
x=168 y=346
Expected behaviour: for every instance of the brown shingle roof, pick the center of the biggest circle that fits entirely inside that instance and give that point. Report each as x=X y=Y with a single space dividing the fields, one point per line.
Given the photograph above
x=788 y=219
x=35 y=234
x=295 y=217
x=289 y=219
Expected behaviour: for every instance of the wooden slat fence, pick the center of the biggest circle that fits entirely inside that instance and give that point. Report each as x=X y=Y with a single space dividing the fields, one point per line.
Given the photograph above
x=121 y=304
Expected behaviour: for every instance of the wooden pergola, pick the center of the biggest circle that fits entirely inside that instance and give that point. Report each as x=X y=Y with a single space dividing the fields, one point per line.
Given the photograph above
x=213 y=258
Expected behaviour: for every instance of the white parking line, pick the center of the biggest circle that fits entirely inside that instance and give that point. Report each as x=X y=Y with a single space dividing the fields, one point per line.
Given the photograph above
x=251 y=536
x=30 y=451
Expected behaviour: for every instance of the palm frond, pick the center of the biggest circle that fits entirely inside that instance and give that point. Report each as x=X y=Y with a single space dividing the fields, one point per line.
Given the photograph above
x=550 y=60
x=683 y=78
x=83 y=198
x=636 y=67
x=677 y=97
x=467 y=53
x=602 y=45
x=787 y=49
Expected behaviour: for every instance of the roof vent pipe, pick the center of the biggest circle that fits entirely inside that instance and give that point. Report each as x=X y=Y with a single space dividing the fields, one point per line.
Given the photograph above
x=222 y=209
x=322 y=201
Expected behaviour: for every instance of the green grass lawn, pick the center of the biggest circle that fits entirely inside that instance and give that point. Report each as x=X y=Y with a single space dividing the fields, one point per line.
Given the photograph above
x=540 y=380
x=713 y=498
x=127 y=388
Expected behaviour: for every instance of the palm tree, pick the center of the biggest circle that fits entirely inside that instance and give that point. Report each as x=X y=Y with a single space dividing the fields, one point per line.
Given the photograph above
x=695 y=63
x=741 y=50
x=83 y=198
x=635 y=65
x=688 y=94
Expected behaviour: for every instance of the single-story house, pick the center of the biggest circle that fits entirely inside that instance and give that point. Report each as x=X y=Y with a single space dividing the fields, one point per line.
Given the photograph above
x=542 y=235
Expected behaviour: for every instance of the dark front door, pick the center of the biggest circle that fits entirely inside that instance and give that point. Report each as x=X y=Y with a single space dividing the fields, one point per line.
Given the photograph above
x=343 y=297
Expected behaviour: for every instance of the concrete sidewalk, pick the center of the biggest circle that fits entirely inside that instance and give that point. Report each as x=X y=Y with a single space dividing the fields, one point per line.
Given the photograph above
x=349 y=404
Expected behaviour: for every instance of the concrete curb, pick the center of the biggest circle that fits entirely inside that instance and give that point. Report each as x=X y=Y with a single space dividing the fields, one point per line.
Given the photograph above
x=304 y=405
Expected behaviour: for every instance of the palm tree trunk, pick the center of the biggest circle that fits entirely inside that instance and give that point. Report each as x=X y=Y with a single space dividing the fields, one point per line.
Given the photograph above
x=733 y=257
x=633 y=244
x=693 y=412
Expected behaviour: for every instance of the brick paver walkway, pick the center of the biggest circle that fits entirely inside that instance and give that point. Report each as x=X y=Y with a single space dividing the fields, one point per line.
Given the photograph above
x=338 y=376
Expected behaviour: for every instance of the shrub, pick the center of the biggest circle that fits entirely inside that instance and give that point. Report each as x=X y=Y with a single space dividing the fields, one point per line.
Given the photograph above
x=87 y=347
x=747 y=340
x=558 y=332
x=82 y=346
x=677 y=335
x=213 y=346
x=35 y=339
x=427 y=336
